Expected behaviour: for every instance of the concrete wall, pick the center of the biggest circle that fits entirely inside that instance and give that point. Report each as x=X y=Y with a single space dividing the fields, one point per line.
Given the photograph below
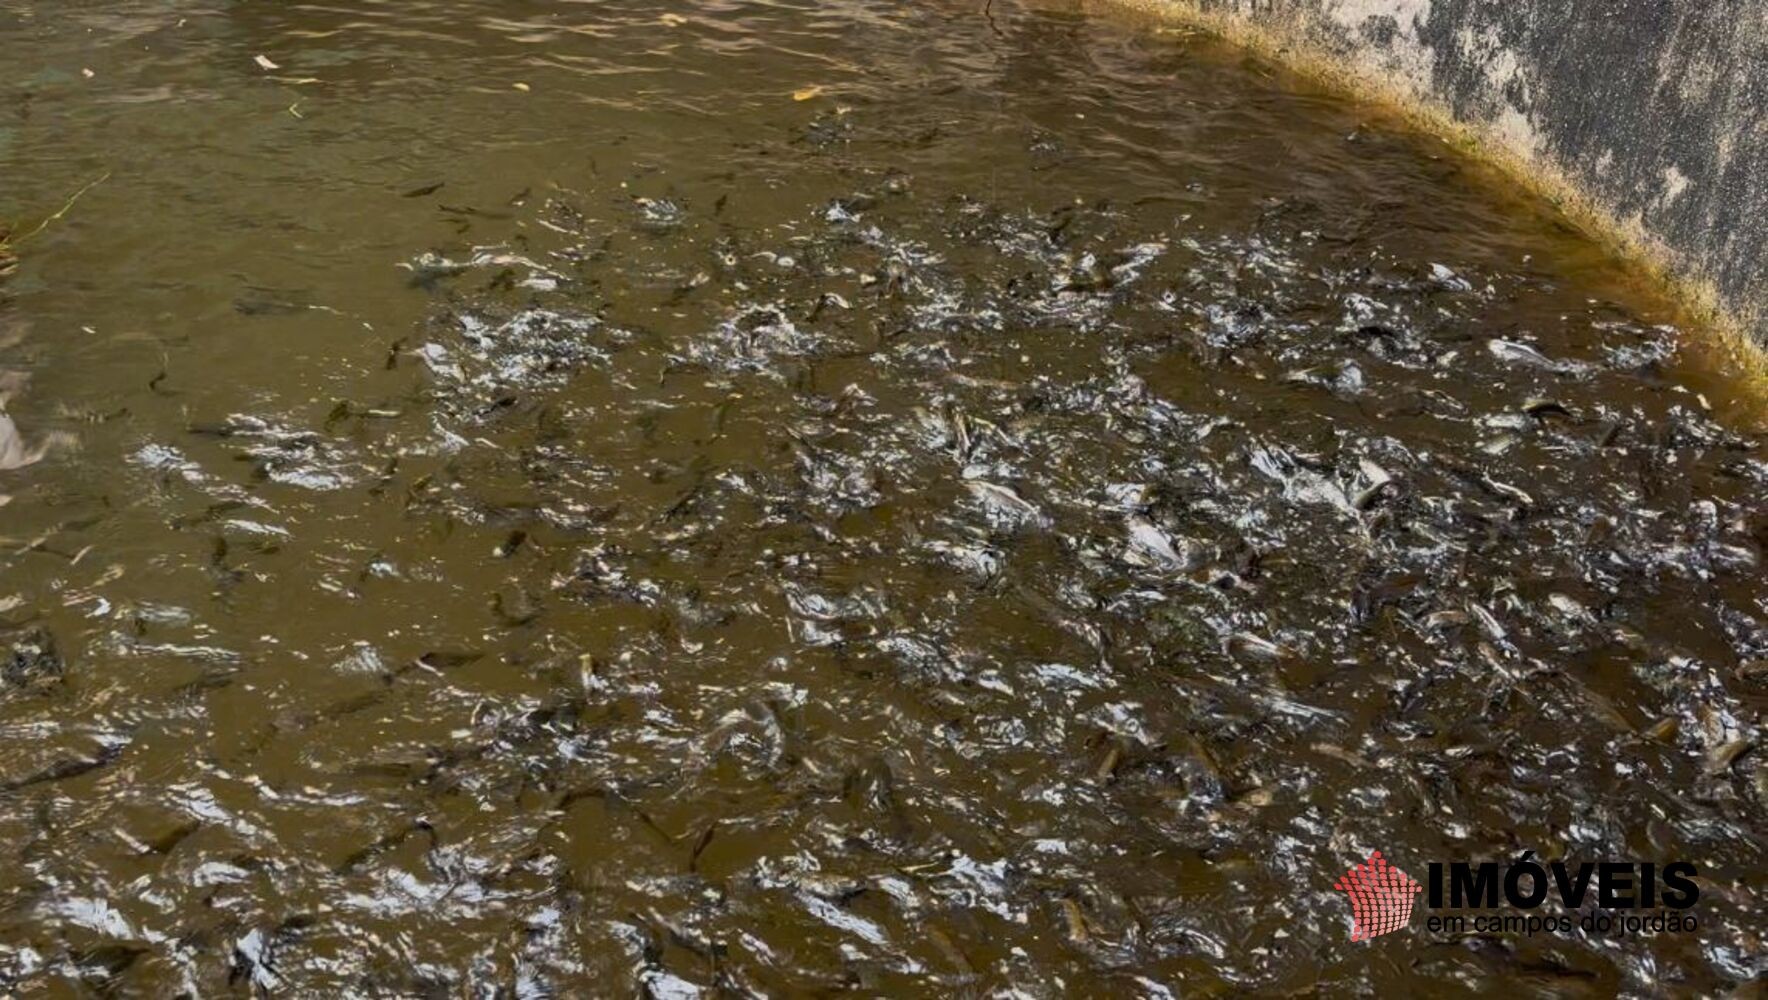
x=1657 y=110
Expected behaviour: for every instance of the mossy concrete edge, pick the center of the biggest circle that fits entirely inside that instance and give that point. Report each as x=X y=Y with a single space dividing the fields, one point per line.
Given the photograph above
x=1360 y=48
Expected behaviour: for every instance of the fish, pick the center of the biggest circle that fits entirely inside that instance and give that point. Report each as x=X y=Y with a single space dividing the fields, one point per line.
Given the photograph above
x=1150 y=546
x=66 y=767
x=1378 y=481
x=1720 y=759
x=1005 y=505
x=1513 y=352
x=15 y=454
x=1257 y=647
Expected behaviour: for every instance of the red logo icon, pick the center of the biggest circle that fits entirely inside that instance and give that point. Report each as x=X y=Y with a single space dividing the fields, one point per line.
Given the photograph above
x=1381 y=897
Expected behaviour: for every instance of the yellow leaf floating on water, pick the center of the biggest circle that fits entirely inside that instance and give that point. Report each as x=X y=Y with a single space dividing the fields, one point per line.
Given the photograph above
x=807 y=93
x=524 y=88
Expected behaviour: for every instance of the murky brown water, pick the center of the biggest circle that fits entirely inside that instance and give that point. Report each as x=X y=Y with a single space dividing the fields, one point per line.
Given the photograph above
x=1018 y=520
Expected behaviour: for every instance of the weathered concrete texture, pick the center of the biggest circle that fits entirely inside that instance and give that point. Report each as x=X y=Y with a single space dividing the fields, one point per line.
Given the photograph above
x=1656 y=109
